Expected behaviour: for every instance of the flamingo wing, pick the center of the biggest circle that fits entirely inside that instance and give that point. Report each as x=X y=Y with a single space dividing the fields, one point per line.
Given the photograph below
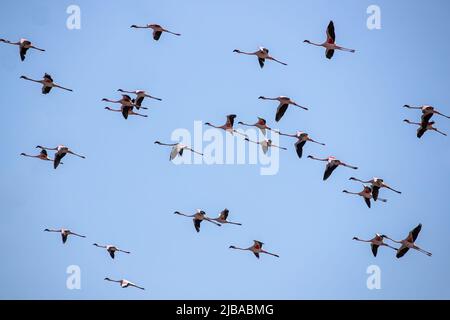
x=414 y=233
x=197 y=223
x=281 y=110
x=402 y=251
x=111 y=253
x=329 y=53
x=375 y=192
x=331 y=36
x=329 y=170
x=64 y=237
x=23 y=53
x=125 y=111
x=57 y=161
x=261 y=62
x=224 y=214
x=139 y=102
x=374 y=249
x=367 y=200
x=46 y=89
x=299 y=147
x=157 y=35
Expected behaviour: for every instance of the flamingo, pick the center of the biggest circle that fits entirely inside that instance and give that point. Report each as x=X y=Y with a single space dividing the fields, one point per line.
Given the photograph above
x=261 y=125
x=223 y=218
x=111 y=249
x=126 y=111
x=256 y=248
x=409 y=243
x=265 y=144
x=65 y=233
x=282 y=107
x=427 y=112
x=24 y=45
x=366 y=194
x=377 y=184
x=262 y=54
x=376 y=242
x=125 y=283
x=198 y=217
x=302 y=138
x=177 y=149
x=61 y=151
x=157 y=30
x=330 y=44
x=42 y=155
x=332 y=164
x=47 y=83
x=124 y=101
x=228 y=126
x=140 y=95
x=424 y=126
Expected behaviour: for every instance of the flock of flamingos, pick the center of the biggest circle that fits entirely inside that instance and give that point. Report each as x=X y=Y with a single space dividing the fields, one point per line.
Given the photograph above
x=371 y=188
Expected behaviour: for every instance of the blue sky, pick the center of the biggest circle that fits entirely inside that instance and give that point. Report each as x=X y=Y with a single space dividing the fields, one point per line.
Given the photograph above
x=126 y=190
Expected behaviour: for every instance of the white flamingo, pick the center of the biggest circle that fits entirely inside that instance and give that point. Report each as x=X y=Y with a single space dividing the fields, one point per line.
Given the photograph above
x=126 y=111
x=43 y=155
x=177 y=149
x=265 y=144
x=125 y=283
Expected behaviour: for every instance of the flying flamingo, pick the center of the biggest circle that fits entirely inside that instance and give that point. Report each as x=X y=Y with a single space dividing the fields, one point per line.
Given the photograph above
x=177 y=149
x=375 y=242
x=223 y=218
x=111 y=249
x=198 y=217
x=427 y=112
x=330 y=44
x=366 y=194
x=409 y=242
x=262 y=54
x=424 y=126
x=125 y=101
x=261 y=125
x=377 y=184
x=61 y=151
x=140 y=95
x=157 y=30
x=125 y=283
x=302 y=138
x=42 y=155
x=282 y=107
x=24 y=45
x=47 y=83
x=65 y=233
x=126 y=111
x=332 y=164
x=228 y=126
x=256 y=248
x=265 y=144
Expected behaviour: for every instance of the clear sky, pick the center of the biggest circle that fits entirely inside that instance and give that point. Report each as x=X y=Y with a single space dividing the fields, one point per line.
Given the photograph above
x=126 y=190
